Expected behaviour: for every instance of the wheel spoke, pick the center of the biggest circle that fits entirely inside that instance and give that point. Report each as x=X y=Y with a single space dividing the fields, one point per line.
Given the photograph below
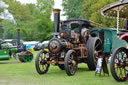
x=42 y=68
x=125 y=72
x=99 y=50
x=72 y=57
x=121 y=75
x=41 y=57
x=72 y=68
x=117 y=70
x=40 y=65
x=71 y=64
x=45 y=66
x=97 y=45
x=115 y=66
x=70 y=61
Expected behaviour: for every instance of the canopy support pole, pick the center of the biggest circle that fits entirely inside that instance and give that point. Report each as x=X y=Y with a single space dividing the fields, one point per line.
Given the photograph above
x=118 y=20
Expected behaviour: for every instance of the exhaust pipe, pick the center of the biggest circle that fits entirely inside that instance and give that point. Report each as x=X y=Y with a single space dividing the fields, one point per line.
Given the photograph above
x=18 y=38
x=56 y=19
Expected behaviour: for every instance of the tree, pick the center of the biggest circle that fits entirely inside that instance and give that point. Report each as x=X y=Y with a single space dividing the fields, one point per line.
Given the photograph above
x=72 y=8
x=91 y=11
x=34 y=11
x=42 y=24
x=1 y=10
x=88 y=9
x=2 y=7
x=21 y=15
x=44 y=27
x=10 y=30
x=45 y=7
x=20 y=12
x=33 y=20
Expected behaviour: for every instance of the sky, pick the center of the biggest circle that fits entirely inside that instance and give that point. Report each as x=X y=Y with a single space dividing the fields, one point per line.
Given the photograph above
x=56 y=5
x=27 y=1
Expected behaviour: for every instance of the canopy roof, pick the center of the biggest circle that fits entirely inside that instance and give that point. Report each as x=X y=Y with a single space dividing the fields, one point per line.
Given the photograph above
x=111 y=10
x=86 y=23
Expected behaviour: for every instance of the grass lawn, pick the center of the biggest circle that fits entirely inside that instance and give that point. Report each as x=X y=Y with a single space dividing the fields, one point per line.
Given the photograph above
x=13 y=72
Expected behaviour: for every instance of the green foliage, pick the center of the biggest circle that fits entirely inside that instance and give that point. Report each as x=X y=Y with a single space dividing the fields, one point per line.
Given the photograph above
x=72 y=8
x=1 y=31
x=88 y=9
x=91 y=11
x=1 y=10
x=34 y=11
x=20 y=12
x=47 y=5
x=33 y=20
x=10 y=30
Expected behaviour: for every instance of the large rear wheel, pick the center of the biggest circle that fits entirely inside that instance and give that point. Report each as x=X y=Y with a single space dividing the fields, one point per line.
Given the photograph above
x=94 y=47
x=70 y=63
x=119 y=64
x=41 y=62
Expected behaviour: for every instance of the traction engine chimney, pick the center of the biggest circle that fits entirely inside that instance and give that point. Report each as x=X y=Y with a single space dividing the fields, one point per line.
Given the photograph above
x=56 y=19
x=18 y=37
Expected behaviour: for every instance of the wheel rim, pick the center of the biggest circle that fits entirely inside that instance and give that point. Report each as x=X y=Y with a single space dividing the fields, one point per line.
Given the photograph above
x=43 y=62
x=72 y=62
x=97 y=50
x=121 y=65
x=28 y=57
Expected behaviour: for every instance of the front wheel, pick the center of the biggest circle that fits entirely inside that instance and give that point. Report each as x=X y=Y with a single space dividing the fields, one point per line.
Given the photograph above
x=119 y=64
x=70 y=63
x=41 y=62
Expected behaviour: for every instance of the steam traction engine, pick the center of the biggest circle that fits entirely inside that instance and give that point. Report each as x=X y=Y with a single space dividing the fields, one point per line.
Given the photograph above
x=7 y=50
x=71 y=44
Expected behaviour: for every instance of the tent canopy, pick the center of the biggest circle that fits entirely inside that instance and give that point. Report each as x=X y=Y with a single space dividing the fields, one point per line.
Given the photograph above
x=112 y=9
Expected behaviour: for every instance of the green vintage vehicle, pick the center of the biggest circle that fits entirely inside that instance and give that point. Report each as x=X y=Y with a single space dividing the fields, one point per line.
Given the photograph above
x=119 y=59
x=14 y=47
x=109 y=39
